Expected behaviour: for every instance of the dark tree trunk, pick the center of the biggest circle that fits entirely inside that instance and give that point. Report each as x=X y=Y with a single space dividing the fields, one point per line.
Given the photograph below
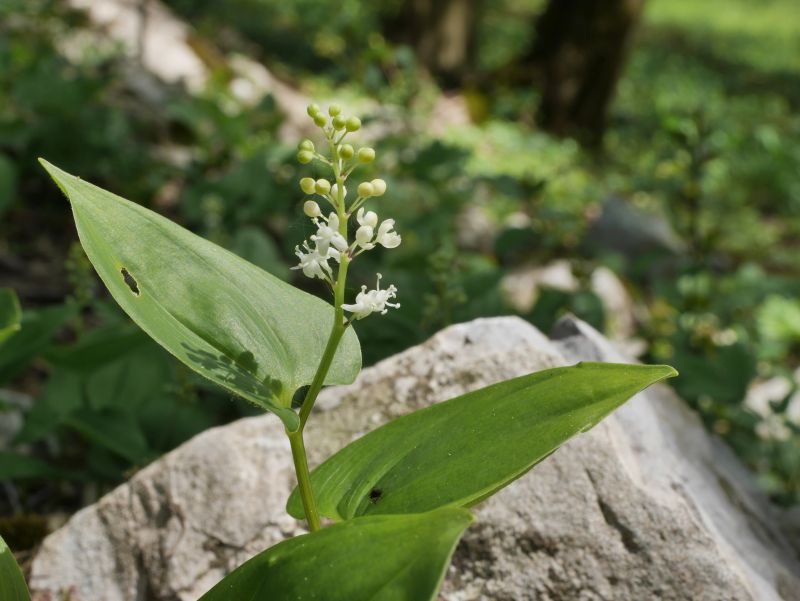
x=579 y=52
x=442 y=33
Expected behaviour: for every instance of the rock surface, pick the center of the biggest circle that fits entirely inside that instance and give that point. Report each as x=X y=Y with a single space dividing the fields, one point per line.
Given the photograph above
x=645 y=506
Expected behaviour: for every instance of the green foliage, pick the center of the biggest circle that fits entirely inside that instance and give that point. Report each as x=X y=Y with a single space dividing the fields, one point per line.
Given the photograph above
x=186 y=293
x=10 y=313
x=380 y=558
x=12 y=584
x=461 y=451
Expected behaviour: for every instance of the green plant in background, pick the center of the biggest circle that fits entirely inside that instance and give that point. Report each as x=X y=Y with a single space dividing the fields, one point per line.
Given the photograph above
x=401 y=493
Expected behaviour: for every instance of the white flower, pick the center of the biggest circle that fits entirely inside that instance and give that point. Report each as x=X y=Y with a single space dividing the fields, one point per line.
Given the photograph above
x=313 y=263
x=328 y=235
x=370 y=218
x=364 y=236
x=386 y=237
x=373 y=301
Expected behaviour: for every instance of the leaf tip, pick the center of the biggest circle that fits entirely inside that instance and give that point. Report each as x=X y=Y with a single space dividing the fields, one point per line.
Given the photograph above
x=668 y=371
x=55 y=173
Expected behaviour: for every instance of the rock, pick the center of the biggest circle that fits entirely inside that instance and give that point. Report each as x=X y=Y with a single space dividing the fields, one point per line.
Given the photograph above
x=644 y=506
x=622 y=227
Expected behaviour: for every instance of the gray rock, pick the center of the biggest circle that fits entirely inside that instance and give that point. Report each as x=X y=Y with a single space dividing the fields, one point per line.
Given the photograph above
x=645 y=506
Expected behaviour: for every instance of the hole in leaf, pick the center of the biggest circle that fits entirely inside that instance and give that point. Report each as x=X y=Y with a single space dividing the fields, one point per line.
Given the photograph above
x=375 y=494
x=130 y=281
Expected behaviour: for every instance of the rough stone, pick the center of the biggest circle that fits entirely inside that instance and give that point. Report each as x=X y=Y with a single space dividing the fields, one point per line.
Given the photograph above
x=645 y=506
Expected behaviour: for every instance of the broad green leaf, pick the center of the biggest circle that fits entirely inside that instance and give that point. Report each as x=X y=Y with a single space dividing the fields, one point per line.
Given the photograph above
x=223 y=317
x=462 y=451
x=10 y=313
x=377 y=558
x=12 y=584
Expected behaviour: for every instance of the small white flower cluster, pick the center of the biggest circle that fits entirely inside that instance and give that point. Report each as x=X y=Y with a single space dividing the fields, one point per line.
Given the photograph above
x=372 y=301
x=331 y=238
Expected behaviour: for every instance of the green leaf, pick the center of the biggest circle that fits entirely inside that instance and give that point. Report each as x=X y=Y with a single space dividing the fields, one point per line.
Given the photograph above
x=223 y=317
x=377 y=558
x=116 y=430
x=10 y=313
x=14 y=466
x=462 y=451
x=12 y=584
x=38 y=329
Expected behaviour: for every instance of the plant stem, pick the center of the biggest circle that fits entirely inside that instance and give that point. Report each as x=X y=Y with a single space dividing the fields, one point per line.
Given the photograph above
x=304 y=479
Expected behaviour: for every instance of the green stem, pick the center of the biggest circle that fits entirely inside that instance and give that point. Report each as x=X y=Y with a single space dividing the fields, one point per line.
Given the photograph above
x=304 y=479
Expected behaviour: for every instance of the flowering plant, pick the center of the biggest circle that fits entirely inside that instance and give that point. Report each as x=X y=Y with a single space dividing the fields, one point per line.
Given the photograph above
x=398 y=497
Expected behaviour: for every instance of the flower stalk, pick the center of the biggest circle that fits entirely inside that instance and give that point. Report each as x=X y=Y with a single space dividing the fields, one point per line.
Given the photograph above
x=331 y=243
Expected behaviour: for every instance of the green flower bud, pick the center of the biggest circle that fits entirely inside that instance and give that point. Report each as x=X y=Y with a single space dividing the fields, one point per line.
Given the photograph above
x=312 y=110
x=338 y=122
x=353 y=124
x=365 y=189
x=320 y=119
x=306 y=145
x=305 y=156
x=307 y=185
x=322 y=186
x=311 y=209
x=366 y=154
x=346 y=152
x=334 y=110
x=378 y=187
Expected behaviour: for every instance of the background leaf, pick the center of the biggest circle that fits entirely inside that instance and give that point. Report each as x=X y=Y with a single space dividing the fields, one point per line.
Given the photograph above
x=38 y=329
x=379 y=558
x=222 y=316
x=463 y=450
x=10 y=313
x=12 y=584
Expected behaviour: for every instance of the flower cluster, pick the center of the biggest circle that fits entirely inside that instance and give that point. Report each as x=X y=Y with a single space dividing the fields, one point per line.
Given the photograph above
x=331 y=241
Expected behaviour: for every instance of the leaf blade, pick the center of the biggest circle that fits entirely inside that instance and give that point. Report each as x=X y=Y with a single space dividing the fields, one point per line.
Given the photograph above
x=463 y=450
x=12 y=584
x=10 y=314
x=406 y=555
x=222 y=316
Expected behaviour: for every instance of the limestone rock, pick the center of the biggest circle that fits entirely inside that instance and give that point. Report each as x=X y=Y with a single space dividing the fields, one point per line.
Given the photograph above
x=645 y=506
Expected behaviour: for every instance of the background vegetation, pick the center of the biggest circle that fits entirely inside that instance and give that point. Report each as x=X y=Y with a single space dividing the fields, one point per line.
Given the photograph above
x=675 y=165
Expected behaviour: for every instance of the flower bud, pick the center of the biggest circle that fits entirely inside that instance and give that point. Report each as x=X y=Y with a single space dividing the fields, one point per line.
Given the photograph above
x=312 y=110
x=322 y=186
x=311 y=208
x=307 y=185
x=320 y=119
x=334 y=110
x=366 y=154
x=378 y=187
x=306 y=145
x=353 y=124
x=365 y=189
x=305 y=156
x=338 y=122
x=346 y=152
x=335 y=192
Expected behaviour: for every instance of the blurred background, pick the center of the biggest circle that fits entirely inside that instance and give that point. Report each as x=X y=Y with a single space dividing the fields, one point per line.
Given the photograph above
x=635 y=162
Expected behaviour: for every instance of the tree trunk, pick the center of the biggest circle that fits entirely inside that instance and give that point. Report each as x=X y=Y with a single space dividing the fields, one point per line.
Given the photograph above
x=580 y=50
x=442 y=33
